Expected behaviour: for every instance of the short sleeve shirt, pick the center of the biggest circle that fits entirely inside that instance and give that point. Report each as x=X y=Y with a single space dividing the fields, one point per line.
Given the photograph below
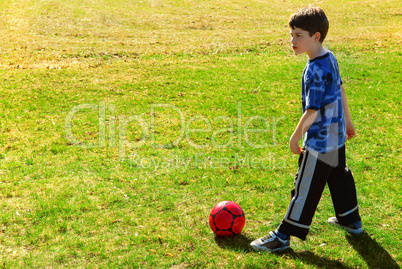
x=321 y=91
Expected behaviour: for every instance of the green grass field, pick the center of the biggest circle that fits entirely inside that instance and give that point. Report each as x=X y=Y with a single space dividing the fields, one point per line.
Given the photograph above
x=122 y=123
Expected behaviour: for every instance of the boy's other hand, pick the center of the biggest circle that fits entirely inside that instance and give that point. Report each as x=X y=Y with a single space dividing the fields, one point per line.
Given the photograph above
x=350 y=131
x=294 y=146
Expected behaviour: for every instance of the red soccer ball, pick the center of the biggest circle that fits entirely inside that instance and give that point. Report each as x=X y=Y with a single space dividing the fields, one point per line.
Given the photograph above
x=227 y=219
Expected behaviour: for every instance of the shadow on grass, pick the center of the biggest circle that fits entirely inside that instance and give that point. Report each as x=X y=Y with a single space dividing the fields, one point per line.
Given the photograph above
x=374 y=255
x=239 y=243
x=372 y=252
x=313 y=259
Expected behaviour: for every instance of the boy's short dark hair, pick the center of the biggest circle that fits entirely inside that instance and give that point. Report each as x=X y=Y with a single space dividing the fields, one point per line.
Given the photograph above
x=311 y=19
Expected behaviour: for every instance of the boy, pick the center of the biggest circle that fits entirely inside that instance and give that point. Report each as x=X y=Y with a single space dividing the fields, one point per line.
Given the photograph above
x=327 y=124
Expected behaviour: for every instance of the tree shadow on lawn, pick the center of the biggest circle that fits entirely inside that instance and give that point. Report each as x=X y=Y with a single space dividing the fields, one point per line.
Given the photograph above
x=372 y=252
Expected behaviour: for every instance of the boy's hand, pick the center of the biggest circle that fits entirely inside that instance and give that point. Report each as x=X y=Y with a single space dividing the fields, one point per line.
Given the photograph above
x=350 y=131
x=304 y=124
x=294 y=146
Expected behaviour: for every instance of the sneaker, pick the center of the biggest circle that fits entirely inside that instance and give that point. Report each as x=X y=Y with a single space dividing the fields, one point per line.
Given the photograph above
x=270 y=242
x=354 y=228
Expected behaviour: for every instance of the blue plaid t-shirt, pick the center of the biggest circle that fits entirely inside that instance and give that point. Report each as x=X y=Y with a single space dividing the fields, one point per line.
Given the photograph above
x=321 y=91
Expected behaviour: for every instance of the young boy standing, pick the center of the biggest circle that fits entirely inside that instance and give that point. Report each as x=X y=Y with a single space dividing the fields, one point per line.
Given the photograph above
x=326 y=124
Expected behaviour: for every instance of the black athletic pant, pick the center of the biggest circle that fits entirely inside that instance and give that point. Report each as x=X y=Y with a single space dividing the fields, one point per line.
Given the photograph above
x=315 y=170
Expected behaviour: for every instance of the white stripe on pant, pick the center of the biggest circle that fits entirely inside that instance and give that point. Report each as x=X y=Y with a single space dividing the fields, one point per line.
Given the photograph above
x=315 y=170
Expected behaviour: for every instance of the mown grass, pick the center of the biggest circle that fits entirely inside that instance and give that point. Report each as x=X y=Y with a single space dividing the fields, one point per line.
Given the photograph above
x=122 y=124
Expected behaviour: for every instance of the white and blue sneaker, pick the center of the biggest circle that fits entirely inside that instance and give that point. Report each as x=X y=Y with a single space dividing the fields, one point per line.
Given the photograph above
x=354 y=228
x=271 y=242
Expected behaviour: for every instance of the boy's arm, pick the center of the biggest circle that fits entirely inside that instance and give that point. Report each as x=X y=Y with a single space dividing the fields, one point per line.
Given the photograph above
x=304 y=124
x=350 y=129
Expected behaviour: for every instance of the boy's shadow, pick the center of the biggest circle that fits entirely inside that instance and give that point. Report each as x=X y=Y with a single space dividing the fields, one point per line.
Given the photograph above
x=371 y=251
x=241 y=243
x=374 y=255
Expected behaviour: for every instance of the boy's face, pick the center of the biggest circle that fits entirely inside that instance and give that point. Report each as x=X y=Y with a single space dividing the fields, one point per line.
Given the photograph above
x=302 y=41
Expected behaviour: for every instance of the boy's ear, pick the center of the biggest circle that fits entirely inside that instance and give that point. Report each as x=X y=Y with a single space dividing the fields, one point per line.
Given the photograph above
x=317 y=36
